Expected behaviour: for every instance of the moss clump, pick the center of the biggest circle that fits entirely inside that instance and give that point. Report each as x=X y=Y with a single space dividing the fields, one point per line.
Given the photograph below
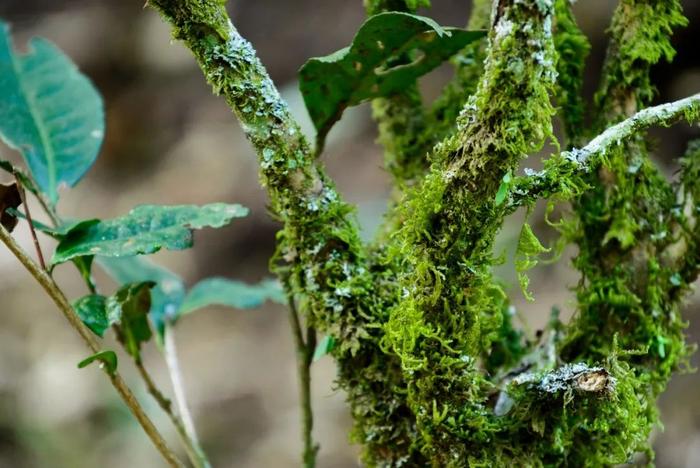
x=572 y=49
x=435 y=371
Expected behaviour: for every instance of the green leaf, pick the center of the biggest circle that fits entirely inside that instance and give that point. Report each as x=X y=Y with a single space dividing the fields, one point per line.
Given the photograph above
x=529 y=248
x=84 y=266
x=221 y=291
x=661 y=345
x=503 y=189
x=390 y=51
x=108 y=359
x=50 y=112
x=92 y=310
x=10 y=199
x=58 y=232
x=128 y=308
x=324 y=347
x=166 y=295
x=145 y=230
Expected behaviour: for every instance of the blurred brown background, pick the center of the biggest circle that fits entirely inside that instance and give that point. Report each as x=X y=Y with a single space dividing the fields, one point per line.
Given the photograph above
x=170 y=141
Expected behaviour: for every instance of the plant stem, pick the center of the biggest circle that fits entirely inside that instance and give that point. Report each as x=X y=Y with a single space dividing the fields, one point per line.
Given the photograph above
x=189 y=440
x=55 y=293
x=305 y=352
x=185 y=422
x=28 y=214
x=194 y=452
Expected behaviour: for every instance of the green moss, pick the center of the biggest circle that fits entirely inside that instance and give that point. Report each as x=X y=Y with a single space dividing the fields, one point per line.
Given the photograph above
x=450 y=310
x=572 y=49
x=435 y=372
x=626 y=224
x=468 y=66
x=640 y=37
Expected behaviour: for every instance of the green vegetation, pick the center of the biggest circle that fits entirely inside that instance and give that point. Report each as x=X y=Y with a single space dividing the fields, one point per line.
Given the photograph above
x=435 y=371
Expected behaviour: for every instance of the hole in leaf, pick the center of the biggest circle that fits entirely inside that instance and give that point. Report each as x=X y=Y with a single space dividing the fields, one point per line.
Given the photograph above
x=395 y=63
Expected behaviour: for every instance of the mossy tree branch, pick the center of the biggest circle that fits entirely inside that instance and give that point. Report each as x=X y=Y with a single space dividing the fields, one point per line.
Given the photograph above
x=468 y=66
x=408 y=131
x=563 y=174
x=319 y=250
x=626 y=215
x=401 y=118
x=684 y=254
x=572 y=49
x=414 y=320
x=450 y=224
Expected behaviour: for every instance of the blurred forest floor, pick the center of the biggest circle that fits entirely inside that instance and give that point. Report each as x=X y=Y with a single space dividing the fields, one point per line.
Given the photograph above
x=170 y=141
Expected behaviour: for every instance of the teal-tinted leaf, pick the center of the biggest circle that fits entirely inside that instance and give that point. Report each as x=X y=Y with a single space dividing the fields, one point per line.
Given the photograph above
x=145 y=230
x=50 y=112
x=221 y=291
x=324 y=347
x=92 y=310
x=58 y=232
x=128 y=308
x=388 y=53
x=107 y=358
x=166 y=296
x=10 y=199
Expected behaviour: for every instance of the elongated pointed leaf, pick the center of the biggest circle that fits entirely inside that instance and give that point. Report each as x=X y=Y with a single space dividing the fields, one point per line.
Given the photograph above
x=50 y=112
x=145 y=230
x=221 y=291
x=388 y=53
x=166 y=295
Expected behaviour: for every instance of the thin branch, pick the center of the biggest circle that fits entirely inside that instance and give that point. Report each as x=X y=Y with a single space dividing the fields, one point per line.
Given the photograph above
x=27 y=213
x=55 y=293
x=320 y=243
x=185 y=422
x=305 y=352
x=557 y=176
x=194 y=451
x=320 y=228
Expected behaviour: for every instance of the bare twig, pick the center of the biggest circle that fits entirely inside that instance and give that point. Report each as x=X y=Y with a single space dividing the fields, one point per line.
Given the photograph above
x=194 y=452
x=28 y=214
x=185 y=422
x=305 y=352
